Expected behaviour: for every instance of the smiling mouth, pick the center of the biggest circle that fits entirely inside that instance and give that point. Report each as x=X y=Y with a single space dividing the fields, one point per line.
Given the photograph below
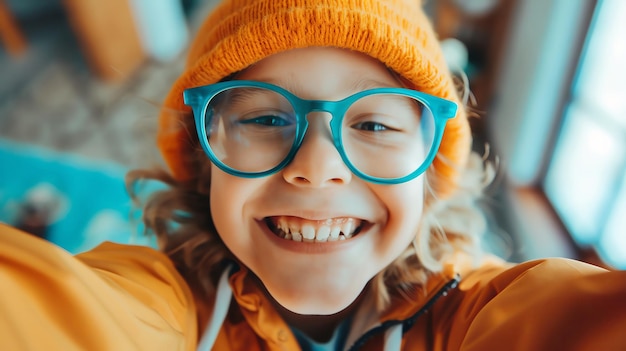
x=298 y=229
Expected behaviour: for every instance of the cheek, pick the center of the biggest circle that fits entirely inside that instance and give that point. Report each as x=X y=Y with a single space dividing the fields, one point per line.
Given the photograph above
x=228 y=196
x=220 y=207
x=233 y=200
x=404 y=204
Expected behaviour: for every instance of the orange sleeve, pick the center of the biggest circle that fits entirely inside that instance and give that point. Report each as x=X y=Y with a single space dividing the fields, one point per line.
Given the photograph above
x=552 y=304
x=114 y=297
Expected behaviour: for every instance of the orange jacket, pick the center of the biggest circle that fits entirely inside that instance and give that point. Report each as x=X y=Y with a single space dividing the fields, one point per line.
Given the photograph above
x=119 y=297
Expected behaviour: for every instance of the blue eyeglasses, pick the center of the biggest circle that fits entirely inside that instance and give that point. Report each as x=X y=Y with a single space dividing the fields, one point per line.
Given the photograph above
x=253 y=129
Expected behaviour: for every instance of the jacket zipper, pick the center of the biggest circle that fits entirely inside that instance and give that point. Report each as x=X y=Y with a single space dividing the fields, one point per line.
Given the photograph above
x=406 y=323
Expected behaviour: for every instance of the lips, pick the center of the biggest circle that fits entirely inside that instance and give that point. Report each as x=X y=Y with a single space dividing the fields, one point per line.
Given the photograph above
x=303 y=230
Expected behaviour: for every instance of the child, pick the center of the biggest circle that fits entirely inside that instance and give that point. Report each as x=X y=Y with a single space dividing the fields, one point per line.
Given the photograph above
x=321 y=198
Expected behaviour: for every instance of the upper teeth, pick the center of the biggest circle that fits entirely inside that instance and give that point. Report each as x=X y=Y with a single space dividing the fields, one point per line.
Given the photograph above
x=319 y=231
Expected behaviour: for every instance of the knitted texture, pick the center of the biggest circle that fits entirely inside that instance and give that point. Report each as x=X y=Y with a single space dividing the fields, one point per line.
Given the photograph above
x=239 y=33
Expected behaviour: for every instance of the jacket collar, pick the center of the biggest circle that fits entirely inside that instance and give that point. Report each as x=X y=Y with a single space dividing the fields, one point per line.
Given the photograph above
x=403 y=311
x=267 y=323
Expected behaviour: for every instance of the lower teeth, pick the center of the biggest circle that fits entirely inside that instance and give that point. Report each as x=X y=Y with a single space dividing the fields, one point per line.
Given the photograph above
x=300 y=239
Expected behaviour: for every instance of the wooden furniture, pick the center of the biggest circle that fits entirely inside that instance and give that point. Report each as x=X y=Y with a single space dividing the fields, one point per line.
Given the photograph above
x=10 y=34
x=108 y=35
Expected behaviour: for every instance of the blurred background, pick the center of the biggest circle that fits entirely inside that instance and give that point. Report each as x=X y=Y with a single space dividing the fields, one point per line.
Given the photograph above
x=81 y=82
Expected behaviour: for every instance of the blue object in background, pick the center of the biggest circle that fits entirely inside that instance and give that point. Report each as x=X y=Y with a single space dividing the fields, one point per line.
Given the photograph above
x=90 y=201
x=162 y=27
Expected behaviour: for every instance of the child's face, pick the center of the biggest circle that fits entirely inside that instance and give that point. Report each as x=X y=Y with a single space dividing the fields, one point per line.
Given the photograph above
x=317 y=191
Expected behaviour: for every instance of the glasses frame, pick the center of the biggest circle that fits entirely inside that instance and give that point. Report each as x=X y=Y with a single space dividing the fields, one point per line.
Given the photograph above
x=198 y=99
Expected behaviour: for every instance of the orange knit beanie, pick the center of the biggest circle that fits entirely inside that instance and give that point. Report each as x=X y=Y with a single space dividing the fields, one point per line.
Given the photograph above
x=239 y=33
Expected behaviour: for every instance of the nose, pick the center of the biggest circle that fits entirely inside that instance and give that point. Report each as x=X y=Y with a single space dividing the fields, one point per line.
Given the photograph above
x=317 y=163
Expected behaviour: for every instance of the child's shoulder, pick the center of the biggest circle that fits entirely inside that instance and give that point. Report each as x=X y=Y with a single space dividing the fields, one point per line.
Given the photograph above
x=112 y=261
x=126 y=295
x=499 y=276
x=544 y=304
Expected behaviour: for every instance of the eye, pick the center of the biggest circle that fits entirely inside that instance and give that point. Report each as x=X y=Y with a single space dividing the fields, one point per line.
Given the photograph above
x=268 y=121
x=370 y=126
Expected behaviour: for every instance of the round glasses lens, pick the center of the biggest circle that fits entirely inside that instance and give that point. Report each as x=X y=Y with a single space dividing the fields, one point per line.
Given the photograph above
x=387 y=135
x=250 y=129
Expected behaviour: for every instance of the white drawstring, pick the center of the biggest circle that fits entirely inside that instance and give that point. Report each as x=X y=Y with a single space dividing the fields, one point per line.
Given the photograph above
x=393 y=338
x=220 y=310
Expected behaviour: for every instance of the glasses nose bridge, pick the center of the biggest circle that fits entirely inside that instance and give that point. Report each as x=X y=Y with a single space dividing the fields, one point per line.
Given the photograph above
x=328 y=128
x=332 y=108
x=329 y=107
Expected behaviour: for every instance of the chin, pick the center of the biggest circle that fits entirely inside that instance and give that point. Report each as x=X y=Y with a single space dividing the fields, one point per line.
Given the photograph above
x=316 y=307
x=316 y=303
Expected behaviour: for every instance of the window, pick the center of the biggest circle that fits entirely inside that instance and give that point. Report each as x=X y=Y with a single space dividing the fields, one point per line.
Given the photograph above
x=586 y=176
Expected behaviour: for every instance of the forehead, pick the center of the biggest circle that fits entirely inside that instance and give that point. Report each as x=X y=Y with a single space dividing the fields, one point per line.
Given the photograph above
x=321 y=72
